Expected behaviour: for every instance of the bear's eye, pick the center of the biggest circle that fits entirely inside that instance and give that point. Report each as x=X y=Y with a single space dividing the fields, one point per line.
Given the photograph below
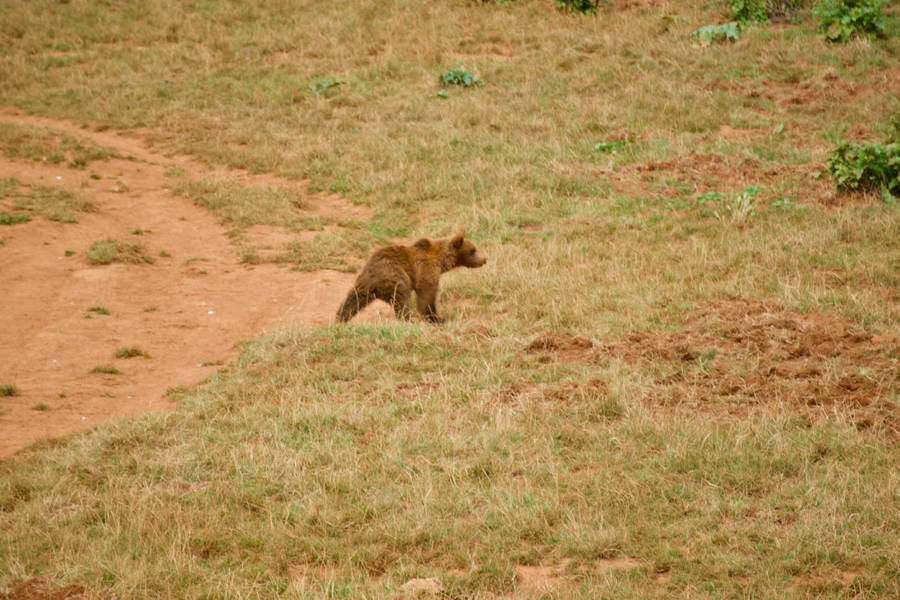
x=472 y=251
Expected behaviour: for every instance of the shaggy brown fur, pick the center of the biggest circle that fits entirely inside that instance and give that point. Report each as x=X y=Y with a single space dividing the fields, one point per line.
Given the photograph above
x=394 y=272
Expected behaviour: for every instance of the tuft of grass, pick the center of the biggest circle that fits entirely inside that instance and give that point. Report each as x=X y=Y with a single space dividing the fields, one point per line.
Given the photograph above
x=99 y=310
x=13 y=219
x=130 y=352
x=104 y=252
x=106 y=369
x=56 y=204
x=40 y=406
x=41 y=144
x=8 y=389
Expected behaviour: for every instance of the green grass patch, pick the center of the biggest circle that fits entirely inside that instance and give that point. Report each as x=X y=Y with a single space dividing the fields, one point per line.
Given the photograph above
x=8 y=389
x=56 y=204
x=49 y=146
x=110 y=250
x=130 y=352
x=106 y=370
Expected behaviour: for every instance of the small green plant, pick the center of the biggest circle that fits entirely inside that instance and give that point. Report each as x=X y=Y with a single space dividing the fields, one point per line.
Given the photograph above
x=866 y=166
x=131 y=352
x=323 y=85
x=612 y=146
x=106 y=370
x=738 y=210
x=582 y=6
x=164 y=254
x=840 y=20
x=104 y=252
x=459 y=76
x=40 y=406
x=69 y=252
x=13 y=219
x=706 y=35
x=8 y=389
x=99 y=310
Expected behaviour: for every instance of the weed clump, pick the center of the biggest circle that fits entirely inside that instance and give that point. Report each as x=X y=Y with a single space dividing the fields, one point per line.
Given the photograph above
x=866 y=166
x=582 y=6
x=131 y=352
x=104 y=252
x=13 y=218
x=459 y=76
x=106 y=370
x=840 y=20
x=8 y=389
x=762 y=11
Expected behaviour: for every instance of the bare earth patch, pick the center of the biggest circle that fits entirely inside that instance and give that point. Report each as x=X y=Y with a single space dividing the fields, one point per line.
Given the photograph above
x=187 y=309
x=35 y=589
x=734 y=354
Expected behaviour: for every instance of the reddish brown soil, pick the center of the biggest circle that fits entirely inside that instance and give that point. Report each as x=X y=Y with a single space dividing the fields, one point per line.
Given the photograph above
x=734 y=354
x=187 y=310
x=35 y=589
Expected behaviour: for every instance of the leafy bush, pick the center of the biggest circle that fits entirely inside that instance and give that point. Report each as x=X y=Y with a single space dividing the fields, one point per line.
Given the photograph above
x=866 y=166
x=839 y=20
x=582 y=6
x=761 y=11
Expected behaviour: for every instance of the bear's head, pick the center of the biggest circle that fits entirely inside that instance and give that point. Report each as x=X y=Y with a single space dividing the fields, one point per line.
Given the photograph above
x=466 y=254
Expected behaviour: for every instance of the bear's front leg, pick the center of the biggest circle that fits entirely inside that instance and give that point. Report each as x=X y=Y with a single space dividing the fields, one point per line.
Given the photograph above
x=426 y=302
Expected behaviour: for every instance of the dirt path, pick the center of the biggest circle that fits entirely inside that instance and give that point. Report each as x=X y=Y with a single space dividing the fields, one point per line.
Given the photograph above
x=186 y=310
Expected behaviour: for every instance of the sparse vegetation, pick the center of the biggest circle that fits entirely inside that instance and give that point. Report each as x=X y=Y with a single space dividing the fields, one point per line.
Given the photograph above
x=43 y=145
x=106 y=369
x=56 y=204
x=110 y=250
x=40 y=406
x=8 y=389
x=99 y=310
x=130 y=352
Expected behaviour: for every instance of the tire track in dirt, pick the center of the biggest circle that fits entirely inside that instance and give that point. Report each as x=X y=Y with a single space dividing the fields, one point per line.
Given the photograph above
x=187 y=310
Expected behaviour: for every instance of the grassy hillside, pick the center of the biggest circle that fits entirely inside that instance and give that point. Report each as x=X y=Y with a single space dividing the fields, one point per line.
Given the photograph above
x=677 y=376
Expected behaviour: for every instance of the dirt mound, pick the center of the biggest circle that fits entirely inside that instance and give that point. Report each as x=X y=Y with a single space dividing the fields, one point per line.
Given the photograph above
x=736 y=353
x=35 y=589
x=63 y=318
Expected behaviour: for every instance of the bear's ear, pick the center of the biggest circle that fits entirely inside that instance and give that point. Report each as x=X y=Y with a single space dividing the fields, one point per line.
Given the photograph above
x=457 y=240
x=423 y=244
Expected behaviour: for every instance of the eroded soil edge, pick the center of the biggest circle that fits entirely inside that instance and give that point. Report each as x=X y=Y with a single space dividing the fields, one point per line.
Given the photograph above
x=186 y=310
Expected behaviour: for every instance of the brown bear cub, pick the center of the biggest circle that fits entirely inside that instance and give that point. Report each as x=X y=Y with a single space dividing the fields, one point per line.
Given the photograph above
x=394 y=272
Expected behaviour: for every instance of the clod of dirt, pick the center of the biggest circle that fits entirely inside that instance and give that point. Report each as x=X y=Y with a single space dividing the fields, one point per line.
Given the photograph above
x=565 y=346
x=36 y=589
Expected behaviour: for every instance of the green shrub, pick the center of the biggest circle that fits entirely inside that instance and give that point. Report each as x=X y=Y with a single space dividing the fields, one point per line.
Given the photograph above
x=582 y=6
x=839 y=20
x=761 y=11
x=866 y=166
